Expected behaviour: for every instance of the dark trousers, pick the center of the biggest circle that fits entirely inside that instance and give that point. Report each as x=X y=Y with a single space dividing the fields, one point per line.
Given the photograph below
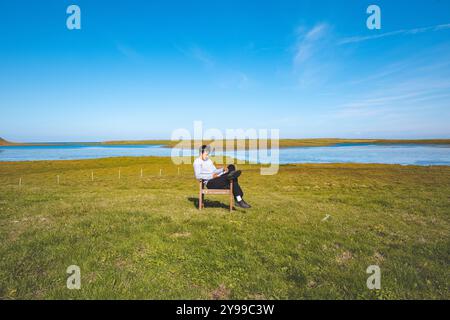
x=223 y=183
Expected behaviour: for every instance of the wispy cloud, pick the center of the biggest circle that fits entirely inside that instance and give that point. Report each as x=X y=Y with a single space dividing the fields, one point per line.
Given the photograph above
x=396 y=97
x=394 y=33
x=199 y=54
x=409 y=97
x=224 y=77
x=235 y=79
x=314 y=58
x=202 y=56
x=244 y=81
x=128 y=52
x=308 y=42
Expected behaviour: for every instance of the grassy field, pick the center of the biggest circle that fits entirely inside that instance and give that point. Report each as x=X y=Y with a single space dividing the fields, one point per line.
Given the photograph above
x=312 y=232
x=237 y=144
x=286 y=143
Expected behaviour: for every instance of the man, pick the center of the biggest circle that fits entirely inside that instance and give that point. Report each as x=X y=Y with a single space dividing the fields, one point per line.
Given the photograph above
x=214 y=178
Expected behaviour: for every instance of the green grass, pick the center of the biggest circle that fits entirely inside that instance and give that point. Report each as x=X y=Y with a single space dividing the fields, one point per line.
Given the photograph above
x=285 y=143
x=241 y=144
x=144 y=238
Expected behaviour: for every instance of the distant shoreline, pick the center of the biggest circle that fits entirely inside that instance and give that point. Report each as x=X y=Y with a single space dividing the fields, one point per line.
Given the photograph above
x=283 y=143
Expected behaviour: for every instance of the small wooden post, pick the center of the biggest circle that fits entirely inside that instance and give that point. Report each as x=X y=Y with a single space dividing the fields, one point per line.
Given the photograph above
x=160 y=172
x=57 y=179
x=119 y=173
x=20 y=182
x=92 y=175
x=142 y=173
x=178 y=170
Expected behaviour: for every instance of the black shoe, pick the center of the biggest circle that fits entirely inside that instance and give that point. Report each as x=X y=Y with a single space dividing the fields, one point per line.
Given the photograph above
x=234 y=174
x=243 y=204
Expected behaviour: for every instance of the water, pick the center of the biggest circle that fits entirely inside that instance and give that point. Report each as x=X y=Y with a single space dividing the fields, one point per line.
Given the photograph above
x=79 y=151
x=389 y=154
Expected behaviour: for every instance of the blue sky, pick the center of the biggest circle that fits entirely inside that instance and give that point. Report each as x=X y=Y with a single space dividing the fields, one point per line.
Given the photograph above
x=141 y=69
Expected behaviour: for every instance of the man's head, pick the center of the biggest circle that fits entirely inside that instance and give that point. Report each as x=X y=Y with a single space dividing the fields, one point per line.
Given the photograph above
x=204 y=151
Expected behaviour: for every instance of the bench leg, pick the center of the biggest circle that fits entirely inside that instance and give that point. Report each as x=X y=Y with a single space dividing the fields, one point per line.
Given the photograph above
x=200 y=198
x=231 y=197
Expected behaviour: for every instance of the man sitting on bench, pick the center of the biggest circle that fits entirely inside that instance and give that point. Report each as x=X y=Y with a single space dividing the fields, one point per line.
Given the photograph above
x=214 y=178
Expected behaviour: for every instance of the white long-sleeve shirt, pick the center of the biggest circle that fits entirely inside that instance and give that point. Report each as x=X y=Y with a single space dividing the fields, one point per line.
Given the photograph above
x=204 y=169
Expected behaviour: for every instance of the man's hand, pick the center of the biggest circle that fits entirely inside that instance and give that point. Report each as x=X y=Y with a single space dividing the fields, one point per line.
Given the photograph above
x=215 y=175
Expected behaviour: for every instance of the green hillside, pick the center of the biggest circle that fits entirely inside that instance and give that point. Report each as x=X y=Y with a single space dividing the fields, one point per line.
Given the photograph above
x=3 y=142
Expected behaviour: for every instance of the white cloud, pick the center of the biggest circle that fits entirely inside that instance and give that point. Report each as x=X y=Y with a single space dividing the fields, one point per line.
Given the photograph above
x=128 y=52
x=309 y=42
x=223 y=76
x=200 y=55
x=234 y=80
x=396 y=98
x=243 y=81
x=315 y=57
x=394 y=33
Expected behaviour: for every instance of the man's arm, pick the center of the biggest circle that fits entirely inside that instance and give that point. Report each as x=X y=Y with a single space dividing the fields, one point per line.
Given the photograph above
x=199 y=175
x=219 y=171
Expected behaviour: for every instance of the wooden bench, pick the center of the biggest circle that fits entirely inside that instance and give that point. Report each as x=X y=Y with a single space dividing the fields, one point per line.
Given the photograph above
x=202 y=191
